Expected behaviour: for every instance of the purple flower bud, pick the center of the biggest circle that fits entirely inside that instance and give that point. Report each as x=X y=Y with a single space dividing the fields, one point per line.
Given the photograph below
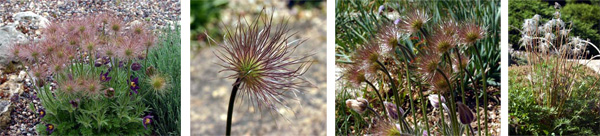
x=397 y=21
x=381 y=8
x=74 y=103
x=105 y=60
x=136 y=66
x=464 y=113
x=391 y=110
x=110 y=92
x=98 y=63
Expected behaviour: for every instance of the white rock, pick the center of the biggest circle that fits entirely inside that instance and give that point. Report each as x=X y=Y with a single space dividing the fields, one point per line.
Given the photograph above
x=41 y=21
x=21 y=76
x=9 y=35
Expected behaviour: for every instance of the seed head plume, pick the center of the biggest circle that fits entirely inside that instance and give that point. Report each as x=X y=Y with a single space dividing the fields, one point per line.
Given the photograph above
x=263 y=62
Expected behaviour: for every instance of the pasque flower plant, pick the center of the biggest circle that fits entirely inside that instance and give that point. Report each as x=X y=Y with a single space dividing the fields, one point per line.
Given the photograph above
x=406 y=61
x=262 y=60
x=93 y=94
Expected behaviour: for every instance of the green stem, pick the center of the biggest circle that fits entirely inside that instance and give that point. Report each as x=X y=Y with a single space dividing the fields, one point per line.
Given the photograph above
x=423 y=108
x=394 y=90
x=378 y=95
x=452 y=113
x=411 y=93
x=231 y=104
x=483 y=75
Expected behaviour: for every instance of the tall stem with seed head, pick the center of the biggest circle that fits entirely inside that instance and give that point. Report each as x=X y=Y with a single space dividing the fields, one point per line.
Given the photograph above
x=236 y=86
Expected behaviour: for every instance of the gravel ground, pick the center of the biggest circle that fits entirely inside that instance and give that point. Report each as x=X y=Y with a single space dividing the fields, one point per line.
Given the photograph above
x=159 y=13
x=155 y=12
x=211 y=91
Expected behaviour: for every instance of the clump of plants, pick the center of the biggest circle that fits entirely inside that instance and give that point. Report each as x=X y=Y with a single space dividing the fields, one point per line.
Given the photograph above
x=264 y=66
x=98 y=75
x=551 y=93
x=410 y=63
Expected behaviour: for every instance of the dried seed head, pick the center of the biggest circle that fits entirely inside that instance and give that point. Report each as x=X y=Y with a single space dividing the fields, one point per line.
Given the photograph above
x=442 y=43
x=388 y=38
x=428 y=64
x=471 y=32
x=415 y=21
x=439 y=83
x=386 y=128
x=355 y=75
x=459 y=62
x=262 y=60
x=159 y=83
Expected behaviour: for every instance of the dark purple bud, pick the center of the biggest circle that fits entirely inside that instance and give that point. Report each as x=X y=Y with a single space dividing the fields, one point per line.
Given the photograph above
x=136 y=66
x=391 y=110
x=98 y=63
x=464 y=113
x=120 y=64
x=74 y=103
x=110 y=92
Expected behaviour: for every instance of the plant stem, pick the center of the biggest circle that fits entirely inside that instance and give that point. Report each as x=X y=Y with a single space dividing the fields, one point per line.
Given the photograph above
x=231 y=104
x=378 y=95
x=483 y=68
x=394 y=90
x=452 y=111
x=411 y=93
x=424 y=108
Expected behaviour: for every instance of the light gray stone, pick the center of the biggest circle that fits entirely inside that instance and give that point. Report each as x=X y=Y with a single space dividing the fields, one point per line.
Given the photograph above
x=5 y=109
x=8 y=37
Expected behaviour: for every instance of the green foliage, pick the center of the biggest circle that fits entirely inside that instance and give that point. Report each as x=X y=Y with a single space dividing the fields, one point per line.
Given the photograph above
x=166 y=106
x=82 y=110
x=204 y=18
x=528 y=117
x=519 y=10
x=96 y=114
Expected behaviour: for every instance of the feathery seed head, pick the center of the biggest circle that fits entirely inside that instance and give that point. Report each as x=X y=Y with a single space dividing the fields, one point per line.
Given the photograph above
x=471 y=32
x=415 y=21
x=262 y=60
